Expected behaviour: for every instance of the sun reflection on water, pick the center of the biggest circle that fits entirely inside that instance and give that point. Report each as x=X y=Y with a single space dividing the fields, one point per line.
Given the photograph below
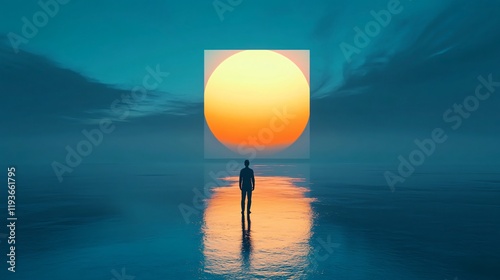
x=273 y=241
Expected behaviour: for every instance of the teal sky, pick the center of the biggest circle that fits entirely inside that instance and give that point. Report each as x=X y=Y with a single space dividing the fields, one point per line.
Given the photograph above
x=113 y=41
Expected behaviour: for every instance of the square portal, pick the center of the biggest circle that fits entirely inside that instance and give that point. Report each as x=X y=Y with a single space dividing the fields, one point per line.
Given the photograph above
x=257 y=104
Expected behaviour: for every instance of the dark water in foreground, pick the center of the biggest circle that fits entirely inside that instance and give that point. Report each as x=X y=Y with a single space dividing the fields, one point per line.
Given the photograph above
x=308 y=221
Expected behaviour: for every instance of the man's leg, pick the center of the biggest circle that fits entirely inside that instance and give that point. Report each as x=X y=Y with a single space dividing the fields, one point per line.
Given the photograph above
x=243 y=195
x=249 y=201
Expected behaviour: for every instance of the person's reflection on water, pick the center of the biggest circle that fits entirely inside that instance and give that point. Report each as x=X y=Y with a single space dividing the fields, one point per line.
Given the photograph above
x=246 y=242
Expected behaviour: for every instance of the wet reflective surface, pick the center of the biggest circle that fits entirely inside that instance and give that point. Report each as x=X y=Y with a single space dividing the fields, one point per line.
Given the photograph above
x=441 y=224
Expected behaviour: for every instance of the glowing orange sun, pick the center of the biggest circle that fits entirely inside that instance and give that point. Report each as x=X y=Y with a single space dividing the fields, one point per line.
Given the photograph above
x=260 y=95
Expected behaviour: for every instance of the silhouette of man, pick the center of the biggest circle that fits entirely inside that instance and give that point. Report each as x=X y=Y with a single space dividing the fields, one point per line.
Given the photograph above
x=247 y=185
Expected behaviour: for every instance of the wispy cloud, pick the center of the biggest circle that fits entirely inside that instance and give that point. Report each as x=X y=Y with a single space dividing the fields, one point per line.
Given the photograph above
x=40 y=89
x=425 y=41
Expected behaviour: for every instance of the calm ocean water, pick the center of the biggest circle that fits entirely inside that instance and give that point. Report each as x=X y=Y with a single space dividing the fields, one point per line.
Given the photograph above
x=308 y=221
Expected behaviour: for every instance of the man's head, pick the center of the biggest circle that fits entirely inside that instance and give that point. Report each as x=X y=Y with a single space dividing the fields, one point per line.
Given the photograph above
x=247 y=162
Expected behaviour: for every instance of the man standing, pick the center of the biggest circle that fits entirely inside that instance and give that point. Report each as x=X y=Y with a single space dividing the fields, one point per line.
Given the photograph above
x=247 y=185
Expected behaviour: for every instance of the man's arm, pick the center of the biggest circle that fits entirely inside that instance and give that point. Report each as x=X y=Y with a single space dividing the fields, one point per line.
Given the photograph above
x=241 y=180
x=253 y=182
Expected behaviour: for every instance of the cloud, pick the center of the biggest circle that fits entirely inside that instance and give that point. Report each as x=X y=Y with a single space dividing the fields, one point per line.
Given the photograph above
x=38 y=90
x=405 y=82
x=424 y=35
